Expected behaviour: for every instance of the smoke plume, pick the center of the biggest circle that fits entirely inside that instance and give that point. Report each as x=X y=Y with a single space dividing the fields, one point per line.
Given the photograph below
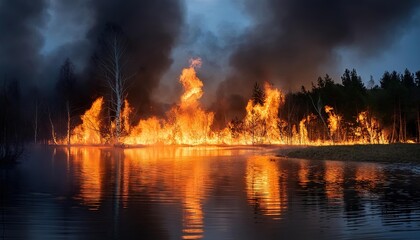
x=38 y=35
x=293 y=42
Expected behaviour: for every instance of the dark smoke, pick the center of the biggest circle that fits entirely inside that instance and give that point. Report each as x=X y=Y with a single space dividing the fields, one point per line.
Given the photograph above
x=292 y=41
x=151 y=26
x=21 y=40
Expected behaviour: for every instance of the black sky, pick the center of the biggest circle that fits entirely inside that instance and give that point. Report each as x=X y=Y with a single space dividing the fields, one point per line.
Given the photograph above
x=288 y=42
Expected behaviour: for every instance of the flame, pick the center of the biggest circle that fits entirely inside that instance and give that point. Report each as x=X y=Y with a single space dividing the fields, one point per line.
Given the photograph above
x=334 y=121
x=189 y=123
x=303 y=129
x=262 y=120
x=89 y=131
x=370 y=130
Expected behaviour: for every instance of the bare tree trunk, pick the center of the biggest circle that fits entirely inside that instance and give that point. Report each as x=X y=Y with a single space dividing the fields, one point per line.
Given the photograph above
x=52 y=129
x=393 y=127
x=118 y=93
x=400 y=132
x=68 y=122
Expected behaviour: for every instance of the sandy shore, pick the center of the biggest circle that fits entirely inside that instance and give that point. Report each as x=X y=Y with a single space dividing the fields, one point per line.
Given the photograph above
x=395 y=153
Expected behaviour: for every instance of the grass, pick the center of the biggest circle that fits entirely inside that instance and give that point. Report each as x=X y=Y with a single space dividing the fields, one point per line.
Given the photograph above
x=394 y=153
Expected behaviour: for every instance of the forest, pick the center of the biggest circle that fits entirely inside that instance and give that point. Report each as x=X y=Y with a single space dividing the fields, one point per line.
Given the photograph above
x=329 y=112
x=386 y=112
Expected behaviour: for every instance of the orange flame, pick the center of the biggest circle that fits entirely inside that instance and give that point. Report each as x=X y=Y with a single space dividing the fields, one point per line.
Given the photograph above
x=188 y=123
x=89 y=131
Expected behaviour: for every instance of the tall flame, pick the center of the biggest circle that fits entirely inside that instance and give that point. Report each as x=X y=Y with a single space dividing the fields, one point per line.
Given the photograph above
x=188 y=123
x=89 y=131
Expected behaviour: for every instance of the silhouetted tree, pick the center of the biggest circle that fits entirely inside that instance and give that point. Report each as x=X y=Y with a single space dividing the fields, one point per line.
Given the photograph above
x=258 y=94
x=11 y=125
x=66 y=87
x=114 y=63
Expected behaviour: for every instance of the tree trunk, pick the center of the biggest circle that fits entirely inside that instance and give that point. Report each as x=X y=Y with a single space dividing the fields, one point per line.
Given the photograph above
x=52 y=129
x=68 y=122
x=118 y=93
x=393 y=127
x=400 y=132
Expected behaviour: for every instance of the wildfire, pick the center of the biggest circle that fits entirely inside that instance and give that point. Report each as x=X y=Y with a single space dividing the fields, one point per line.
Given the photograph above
x=89 y=131
x=186 y=123
x=189 y=123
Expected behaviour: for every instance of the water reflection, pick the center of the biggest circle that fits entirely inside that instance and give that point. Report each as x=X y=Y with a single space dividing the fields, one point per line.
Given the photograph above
x=334 y=179
x=198 y=192
x=265 y=190
x=368 y=177
x=87 y=162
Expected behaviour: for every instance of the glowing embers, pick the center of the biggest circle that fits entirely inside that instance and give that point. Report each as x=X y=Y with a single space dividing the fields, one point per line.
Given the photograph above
x=266 y=191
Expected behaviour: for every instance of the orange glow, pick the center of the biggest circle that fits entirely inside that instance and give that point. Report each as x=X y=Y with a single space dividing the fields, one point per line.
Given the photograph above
x=88 y=160
x=369 y=130
x=368 y=176
x=334 y=122
x=265 y=190
x=303 y=173
x=187 y=122
x=262 y=120
x=89 y=131
x=184 y=179
x=334 y=179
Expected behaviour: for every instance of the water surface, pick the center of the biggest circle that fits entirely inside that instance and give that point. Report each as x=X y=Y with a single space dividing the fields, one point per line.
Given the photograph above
x=210 y=193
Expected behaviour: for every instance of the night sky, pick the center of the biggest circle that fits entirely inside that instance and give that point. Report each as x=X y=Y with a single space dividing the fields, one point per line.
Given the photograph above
x=287 y=42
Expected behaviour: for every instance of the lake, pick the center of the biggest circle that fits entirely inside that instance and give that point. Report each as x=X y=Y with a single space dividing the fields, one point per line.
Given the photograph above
x=204 y=192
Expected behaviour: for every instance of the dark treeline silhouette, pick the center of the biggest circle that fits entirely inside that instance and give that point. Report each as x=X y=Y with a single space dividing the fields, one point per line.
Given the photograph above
x=12 y=133
x=394 y=103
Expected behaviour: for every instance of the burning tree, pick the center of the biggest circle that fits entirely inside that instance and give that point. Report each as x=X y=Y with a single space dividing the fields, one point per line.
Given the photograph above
x=114 y=63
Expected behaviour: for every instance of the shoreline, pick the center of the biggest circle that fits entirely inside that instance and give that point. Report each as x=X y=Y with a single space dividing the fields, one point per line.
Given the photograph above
x=385 y=153
x=388 y=153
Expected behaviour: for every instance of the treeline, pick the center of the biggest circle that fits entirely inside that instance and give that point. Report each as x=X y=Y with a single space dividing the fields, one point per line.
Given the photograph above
x=386 y=111
x=32 y=115
x=390 y=109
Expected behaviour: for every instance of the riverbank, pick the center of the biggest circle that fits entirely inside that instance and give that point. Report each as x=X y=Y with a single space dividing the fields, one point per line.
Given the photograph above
x=393 y=153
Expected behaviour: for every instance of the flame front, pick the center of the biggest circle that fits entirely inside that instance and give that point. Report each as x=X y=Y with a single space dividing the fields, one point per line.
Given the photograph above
x=186 y=123
x=189 y=123
x=89 y=131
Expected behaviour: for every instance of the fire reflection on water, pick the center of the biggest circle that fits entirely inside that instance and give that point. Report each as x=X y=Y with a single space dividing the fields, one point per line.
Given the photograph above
x=334 y=179
x=265 y=190
x=182 y=175
x=87 y=160
x=171 y=175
